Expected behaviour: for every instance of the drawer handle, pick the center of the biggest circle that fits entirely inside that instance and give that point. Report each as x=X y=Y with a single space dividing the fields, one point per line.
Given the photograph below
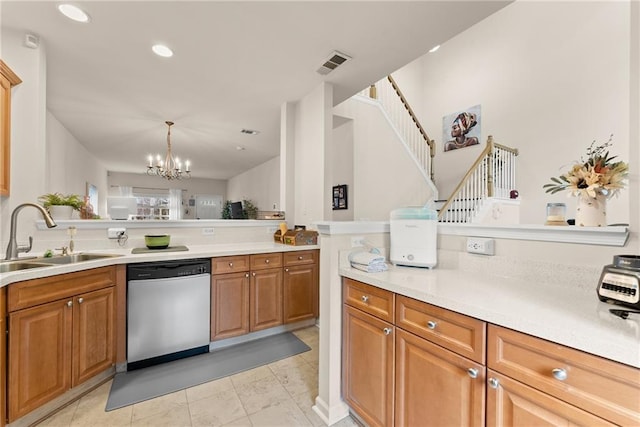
x=80 y=300
x=494 y=382
x=386 y=331
x=473 y=372
x=230 y=264
x=69 y=303
x=300 y=258
x=431 y=324
x=559 y=374
x=364 y=298
x=266 y=261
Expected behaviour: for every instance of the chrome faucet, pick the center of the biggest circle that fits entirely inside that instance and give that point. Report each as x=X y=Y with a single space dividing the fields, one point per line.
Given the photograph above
x=13 y=249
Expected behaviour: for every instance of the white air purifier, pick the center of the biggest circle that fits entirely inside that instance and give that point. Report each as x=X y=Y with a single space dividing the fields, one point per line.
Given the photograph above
x=414 y=233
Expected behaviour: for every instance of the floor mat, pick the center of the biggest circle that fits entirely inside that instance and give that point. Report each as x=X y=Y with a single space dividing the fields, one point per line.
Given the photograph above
x=143 y=384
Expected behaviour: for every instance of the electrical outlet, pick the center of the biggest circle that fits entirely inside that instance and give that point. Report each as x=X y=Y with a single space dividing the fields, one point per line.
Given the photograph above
x=114 y=233
x=357 y=241
x=478 y=245
x=209 y=231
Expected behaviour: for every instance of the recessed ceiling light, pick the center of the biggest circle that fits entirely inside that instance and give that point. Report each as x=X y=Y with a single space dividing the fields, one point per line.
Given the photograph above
x=73 y=12
x=250 y=131
x=239 y=148
x=433 y=49
x=162 y=50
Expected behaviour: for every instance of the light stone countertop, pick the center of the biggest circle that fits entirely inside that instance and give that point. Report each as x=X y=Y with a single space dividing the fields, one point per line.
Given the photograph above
x=126 y=257
x=571 y=316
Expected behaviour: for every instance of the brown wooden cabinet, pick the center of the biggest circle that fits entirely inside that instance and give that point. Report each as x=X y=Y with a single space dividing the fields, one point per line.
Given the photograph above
x=435 y=384
x=8 y=79
x=265 y=297
x=368 y=352
x=570 y=381
x=229 y=296
x=300 y=286
x=61 y=333
x=368 y=366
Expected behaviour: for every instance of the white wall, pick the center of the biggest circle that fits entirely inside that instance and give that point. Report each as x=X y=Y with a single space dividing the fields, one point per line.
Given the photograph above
x=545 y=87
x=340 y=165
x=70 y=166
x=312 y=130
x=385 y=177
x=28 y=126
x=261 y=185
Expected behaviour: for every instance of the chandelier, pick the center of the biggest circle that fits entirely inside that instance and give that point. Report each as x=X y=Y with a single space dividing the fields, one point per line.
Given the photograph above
x=171 y=167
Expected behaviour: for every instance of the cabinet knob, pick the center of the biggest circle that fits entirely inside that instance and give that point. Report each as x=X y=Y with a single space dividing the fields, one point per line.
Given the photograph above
x=364 y=298
x=69 y=303
x=473 y=372
x=253 y=274
x=386 y=331
x=300 y=258
x=230 y=264
x=431 y=324
x=80 y=300
x=286 y=270
x=266 y=261
x=246 y=275
x=559 y=374
x=494 y=382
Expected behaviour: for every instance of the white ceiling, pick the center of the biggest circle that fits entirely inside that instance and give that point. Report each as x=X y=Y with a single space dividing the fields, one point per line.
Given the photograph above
x=235 y=64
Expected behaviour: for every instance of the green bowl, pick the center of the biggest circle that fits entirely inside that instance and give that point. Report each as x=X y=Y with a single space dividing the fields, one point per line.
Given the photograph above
x=157 y=241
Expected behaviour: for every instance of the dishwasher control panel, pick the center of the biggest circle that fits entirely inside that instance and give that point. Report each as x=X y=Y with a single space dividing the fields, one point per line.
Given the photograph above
x=167 y=269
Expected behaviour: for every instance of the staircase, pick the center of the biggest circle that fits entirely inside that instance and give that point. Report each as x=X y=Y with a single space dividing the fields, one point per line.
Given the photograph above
x=484 y=193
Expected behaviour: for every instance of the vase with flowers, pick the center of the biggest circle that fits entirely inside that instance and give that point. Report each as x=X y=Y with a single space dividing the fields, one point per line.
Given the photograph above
x=593 y=181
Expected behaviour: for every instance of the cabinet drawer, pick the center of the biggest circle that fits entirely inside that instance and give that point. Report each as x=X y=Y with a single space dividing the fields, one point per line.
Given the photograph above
x=605 y=388
x=261 y=261
x=375 y=301
x=456 y=332
x=39 y=291
x=300 y=258
x=229 y=264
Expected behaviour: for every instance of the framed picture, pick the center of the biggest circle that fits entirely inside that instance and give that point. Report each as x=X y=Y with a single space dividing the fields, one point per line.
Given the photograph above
x=461 y=129
x=340 y=197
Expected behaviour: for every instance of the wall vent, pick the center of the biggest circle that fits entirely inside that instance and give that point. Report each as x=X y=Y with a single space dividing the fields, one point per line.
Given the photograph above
x=334 y=61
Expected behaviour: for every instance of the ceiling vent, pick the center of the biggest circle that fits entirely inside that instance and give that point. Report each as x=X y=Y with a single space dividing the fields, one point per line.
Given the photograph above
x=334 y=61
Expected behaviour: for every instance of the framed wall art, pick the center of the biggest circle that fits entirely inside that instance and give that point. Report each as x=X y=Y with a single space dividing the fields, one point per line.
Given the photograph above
x=340 y=197
x=461 y=129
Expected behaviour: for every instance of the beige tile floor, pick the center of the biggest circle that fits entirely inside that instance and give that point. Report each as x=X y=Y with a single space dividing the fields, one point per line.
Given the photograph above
x=279 y=394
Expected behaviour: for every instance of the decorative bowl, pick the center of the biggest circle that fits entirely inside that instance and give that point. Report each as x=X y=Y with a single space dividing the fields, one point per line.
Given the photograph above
x=157 y=241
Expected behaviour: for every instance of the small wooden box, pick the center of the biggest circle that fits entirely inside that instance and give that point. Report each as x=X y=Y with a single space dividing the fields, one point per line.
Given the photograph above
x=300 y=237
x=277 y=236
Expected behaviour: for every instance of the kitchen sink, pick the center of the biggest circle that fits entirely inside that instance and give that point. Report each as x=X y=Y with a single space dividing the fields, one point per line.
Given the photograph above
x=8 y=267
x=73 y=258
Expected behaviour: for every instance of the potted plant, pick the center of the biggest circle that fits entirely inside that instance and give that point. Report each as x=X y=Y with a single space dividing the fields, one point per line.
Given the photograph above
x=250 y=210
x=61 y=206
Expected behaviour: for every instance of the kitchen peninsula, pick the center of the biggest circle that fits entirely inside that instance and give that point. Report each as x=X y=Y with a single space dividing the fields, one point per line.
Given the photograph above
x=91 y=296
x=500 y=349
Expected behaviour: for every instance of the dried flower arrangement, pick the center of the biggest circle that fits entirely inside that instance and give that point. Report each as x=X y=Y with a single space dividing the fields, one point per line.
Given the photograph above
x=598 y=174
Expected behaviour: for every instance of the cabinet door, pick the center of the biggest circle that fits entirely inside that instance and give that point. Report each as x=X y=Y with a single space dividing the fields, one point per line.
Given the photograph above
x=93 y=334
x=39 y=354
x=435 y=384
x=229 y=305
x=265 y=299
x=300 y=293
x=511 y=403
x=367 y=352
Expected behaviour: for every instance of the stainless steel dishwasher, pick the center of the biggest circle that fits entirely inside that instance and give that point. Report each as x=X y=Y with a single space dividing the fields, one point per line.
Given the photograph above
x=168 y=311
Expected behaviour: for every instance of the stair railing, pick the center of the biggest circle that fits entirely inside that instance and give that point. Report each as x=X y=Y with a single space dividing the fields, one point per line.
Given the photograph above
x=401 y=114
x=492 y=174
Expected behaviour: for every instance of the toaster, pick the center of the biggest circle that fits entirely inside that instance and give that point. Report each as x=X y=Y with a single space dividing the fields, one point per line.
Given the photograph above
x=620 y=282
